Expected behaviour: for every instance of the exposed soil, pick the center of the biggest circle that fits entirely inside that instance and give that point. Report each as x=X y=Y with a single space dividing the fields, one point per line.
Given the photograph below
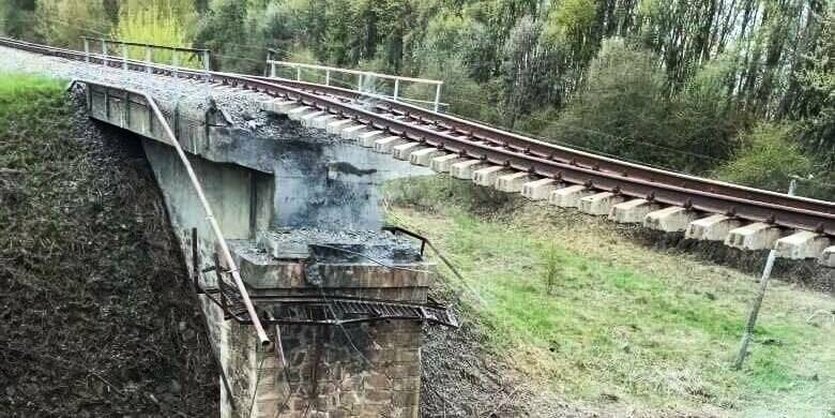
x=95 y=318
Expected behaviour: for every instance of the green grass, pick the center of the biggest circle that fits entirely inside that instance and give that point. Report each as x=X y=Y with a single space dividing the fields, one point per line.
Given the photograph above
x=22 y=87
x=651 y=330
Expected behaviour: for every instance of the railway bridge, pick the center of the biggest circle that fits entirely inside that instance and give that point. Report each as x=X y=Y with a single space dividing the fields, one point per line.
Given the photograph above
x=272 y=186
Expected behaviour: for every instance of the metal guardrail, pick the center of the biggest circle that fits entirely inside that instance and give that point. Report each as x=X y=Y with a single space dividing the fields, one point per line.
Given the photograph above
x=202 y=54
x=362 y=76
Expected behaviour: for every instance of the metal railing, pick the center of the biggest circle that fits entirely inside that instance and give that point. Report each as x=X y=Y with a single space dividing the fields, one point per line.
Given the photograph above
x=202 y=55
x=362 y=77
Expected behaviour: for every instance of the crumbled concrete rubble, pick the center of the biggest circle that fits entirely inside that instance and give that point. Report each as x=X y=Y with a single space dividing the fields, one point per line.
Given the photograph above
x=355 y=246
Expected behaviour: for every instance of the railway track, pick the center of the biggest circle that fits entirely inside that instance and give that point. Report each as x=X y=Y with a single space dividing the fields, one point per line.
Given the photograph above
x=568 y=177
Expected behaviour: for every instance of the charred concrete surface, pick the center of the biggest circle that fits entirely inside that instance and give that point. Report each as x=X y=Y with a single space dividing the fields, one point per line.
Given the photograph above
x=304 y=210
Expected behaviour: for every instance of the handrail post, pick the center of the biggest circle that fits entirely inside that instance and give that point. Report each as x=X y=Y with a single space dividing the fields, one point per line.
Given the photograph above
x=207 y=61
x=124 y=57
x=86 y=49
x=272 y=69
x=359 y=82
x=104 y=52
x=327 y=77
x=148 y=59
x=298 y=73
x=437 y=97
x=396 y=87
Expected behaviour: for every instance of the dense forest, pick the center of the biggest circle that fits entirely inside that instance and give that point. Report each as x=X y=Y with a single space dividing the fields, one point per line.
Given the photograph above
x=742 y=90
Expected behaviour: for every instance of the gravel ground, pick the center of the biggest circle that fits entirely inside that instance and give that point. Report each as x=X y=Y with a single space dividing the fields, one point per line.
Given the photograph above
x=193 y=96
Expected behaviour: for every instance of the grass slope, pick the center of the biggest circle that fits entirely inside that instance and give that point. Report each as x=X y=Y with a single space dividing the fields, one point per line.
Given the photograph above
x=622 y=326
x=93 y=320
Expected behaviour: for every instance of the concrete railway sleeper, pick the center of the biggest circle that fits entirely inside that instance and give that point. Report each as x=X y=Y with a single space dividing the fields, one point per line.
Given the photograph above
x=626 y=192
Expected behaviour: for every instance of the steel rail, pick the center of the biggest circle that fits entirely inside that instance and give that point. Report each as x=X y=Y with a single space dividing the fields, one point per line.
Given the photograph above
x=533 y=156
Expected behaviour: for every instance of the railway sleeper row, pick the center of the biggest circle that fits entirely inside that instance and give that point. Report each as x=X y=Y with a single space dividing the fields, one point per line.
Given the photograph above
x=732 y=231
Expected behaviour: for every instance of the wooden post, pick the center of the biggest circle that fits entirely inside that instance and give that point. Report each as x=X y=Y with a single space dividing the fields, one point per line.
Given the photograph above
x=758 y=300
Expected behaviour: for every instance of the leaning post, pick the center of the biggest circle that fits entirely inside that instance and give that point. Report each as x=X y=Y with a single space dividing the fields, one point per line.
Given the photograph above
x=758 y=299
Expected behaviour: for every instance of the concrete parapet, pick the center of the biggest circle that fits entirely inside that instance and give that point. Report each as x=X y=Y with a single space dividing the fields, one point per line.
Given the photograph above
x=801 y=245
x=569 y=197
x=307 y=119
x=755 y=236
x=827 y=257
x=487 y=176
x=512 y=183
x=403 y=151
x=385 y=145
x=368 y=139
x=712 y=228
x=671 y=219
x=353 y=133
x=464 y=170
x=299 y=112
x=443 y=163
x=424 y=156
x=599 y=204
x=539 y=189
x=337 y=126
x=632 y=211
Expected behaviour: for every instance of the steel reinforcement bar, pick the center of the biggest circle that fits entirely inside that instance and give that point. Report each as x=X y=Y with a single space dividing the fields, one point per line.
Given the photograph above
x=520 y=153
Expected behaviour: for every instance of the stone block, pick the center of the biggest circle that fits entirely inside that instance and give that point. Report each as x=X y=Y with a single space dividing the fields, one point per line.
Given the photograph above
x=443 y=163
x=632 y=211
x=423 y=157
x=307 y=119
x=353 y=133
x=299 y=112
x=539 y=189
x=322 y=122
x=801 y=245
x=827 y=258
x=712 y=228
x=755 y=236
x=368 y=139
x=599 y=204
x=569 y=197
x=464 y=170
x=488 y=176
x=337 y=126
x=671 y=219
x=403 y=151
x=385 y=145
x=513 y=183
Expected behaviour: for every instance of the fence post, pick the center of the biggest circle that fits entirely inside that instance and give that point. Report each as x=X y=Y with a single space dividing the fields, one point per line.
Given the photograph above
x=272 y=69
x=298 y=73
x=86 y=49
x=359 y=82
x=174 y=61
x=327 y=77
x=438 y=96
x=104 y=52
x=124 y=57
x=148 y=60
x=396 y=87
x=207 y=61
x=758 y=300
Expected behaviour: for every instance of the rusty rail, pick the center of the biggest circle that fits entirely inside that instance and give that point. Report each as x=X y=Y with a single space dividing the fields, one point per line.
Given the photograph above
x=477 y=141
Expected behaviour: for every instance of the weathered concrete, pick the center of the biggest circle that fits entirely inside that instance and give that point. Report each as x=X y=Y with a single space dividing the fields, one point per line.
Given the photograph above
x=323 y=121
x=353 y=133
x=513 y=183
x=279 y=106
x=671 y=219
x=299 y=112
x=827 y=257
x=464 y=170
x=385 y=145
x=801 y=245
x=337 y=126
x=539 y=189
x=569 y=197
x=599 y=204
x=307 y=119
x=443 y=163
x=403 y=151
x=423 y=157
x=488 y=176
x=755 y=236
x=711 y=228
x=368 y=139
x=632 y=211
